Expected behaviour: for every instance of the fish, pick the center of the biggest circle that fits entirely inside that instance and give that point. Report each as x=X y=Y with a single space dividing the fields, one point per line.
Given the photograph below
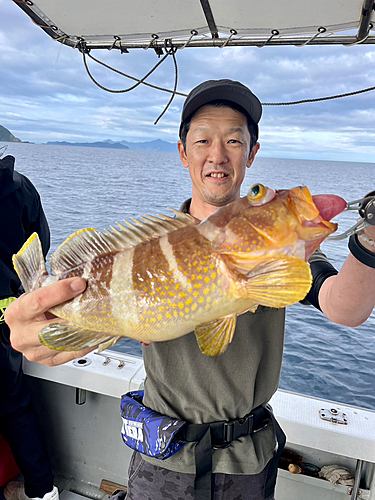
x=158 y=278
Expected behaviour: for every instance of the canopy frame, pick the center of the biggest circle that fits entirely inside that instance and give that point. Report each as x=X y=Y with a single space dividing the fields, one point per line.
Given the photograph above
x=210 y=36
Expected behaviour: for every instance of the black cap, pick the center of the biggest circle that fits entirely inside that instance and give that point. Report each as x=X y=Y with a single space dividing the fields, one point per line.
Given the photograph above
x=228 y=90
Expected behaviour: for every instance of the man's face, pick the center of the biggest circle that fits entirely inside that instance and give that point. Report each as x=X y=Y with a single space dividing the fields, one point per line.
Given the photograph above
x=217 y=154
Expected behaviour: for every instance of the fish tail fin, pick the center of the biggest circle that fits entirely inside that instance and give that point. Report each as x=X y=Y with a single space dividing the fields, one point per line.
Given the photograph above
x=30 y=265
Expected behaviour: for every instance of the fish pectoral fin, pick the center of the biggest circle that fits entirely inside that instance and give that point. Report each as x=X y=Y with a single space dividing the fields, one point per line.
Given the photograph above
x=66 y=337
x=277 y=283
x=214 y=337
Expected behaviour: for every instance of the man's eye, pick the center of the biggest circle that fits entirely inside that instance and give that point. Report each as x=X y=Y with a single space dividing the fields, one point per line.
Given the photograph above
x=233 y=141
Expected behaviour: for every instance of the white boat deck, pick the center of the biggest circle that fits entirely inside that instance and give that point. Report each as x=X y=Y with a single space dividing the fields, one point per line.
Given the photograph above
x=107 y=376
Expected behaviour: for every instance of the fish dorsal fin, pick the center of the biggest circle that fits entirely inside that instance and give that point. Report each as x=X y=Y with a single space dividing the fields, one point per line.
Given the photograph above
x=66 y=337
x=276 y=283
x=87 y=244
x=81 y=247
x=214 y=337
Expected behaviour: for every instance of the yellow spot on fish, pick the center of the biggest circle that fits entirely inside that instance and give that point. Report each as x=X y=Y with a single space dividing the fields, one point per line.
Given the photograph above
x=206 y=291
x=206 y=279
x=161 y=308
x=189 y=301
x=160 y=317
x=177 y=286
x=193 y=307
x=181 y=314
x=180 y=305
x=168 y=315
x=213 y=287
x=201 y=300
x=187 y=310
x=213 y=276
x=171 y=294
x=208 y=307
x=182 y=295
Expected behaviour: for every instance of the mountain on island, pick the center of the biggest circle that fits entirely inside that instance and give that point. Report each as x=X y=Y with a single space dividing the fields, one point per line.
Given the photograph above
x=7 y=136
x=157 y=145
x=104 y=144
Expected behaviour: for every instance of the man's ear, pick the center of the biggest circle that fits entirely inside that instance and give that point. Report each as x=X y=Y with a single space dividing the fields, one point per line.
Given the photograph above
x=182 y=154
x=254 y=151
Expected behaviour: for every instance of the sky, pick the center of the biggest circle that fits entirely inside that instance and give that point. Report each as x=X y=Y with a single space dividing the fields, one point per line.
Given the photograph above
x=46 y=94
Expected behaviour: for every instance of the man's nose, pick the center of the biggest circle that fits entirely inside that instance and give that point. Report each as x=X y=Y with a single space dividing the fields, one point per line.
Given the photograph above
x=218 y=153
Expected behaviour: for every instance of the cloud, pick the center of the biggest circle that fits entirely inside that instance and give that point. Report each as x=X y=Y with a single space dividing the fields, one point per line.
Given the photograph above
x=46 y=93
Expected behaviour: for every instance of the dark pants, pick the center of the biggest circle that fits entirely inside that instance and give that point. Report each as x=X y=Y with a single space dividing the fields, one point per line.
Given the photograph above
x=149 y=482
x=18 y=424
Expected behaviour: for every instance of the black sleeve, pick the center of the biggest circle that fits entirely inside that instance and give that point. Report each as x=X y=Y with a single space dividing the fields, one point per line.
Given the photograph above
x=320 y=270
x=40 y=226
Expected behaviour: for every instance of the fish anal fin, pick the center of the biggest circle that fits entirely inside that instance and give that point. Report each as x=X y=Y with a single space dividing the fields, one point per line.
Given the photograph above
x=66 y=337
x=276 y=283
x=214 y=337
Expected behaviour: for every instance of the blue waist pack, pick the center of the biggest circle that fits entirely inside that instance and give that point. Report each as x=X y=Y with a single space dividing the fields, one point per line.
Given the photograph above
x=146 y=430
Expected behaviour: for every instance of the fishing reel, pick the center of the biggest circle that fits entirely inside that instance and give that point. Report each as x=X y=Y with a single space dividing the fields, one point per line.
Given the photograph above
x=366 y=209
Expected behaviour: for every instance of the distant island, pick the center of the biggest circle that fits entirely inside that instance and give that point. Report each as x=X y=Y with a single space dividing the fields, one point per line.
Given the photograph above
x=7 y=136
x=157 y=145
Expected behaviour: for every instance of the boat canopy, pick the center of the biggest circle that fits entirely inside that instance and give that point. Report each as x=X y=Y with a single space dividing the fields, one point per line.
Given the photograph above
x=126 y=24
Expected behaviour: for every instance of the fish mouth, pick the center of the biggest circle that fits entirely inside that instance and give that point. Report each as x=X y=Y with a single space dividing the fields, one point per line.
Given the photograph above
x=329 y=205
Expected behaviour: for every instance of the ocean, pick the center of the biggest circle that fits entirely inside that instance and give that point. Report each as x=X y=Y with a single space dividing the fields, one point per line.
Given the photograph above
x=93 y=187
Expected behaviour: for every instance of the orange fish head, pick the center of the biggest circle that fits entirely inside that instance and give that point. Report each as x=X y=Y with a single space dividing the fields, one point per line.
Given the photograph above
x=267 y=220
x=313 y=214
x=306 y=215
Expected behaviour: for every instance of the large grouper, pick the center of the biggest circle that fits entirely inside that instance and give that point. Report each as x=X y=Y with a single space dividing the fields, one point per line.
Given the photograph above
x=159 y=278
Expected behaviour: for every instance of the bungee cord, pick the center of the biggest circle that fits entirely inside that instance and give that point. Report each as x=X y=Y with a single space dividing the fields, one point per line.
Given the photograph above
x=171 y=51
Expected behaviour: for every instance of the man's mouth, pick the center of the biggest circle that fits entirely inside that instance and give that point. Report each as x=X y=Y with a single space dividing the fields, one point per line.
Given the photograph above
x=217 y=175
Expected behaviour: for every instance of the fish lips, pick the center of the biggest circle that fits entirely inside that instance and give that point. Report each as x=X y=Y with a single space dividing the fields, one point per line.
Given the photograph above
x=329 y=205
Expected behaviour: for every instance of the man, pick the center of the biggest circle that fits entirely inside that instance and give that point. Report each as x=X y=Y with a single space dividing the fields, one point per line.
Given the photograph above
x=21 y=215
x=219 y=133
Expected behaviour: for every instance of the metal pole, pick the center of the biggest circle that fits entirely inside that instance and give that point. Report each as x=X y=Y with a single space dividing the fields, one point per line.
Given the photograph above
x=357 y=479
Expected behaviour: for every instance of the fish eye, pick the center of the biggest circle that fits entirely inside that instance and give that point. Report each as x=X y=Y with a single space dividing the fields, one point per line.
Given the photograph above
x=256 y=192
x=259 y=194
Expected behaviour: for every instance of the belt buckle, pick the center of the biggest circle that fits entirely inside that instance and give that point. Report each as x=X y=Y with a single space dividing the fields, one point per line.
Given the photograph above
x=227 y=436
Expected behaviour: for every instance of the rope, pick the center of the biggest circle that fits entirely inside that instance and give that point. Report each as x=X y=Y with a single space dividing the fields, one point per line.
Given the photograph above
x=131 y=77
x=303 y=101
x=170 y=50
x=120 y=73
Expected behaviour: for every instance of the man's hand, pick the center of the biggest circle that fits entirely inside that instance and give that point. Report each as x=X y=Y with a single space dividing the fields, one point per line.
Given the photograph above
x=28 y=315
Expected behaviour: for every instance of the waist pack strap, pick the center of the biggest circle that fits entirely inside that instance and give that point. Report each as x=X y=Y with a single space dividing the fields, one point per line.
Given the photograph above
x=218 y=435
x=274 y=462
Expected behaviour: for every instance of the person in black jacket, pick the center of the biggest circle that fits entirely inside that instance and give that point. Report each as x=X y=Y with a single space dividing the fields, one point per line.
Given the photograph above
x=21 y=214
